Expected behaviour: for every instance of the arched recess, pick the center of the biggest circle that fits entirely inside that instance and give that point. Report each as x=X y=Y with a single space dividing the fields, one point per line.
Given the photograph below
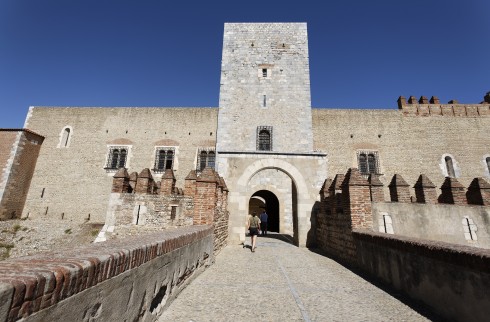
x=296 y=222
x=266 y=200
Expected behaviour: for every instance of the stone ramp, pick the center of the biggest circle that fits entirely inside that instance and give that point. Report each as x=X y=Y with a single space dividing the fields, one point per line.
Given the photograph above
x=280 y=282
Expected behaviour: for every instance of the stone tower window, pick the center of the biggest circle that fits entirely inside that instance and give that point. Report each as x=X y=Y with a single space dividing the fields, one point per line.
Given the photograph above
x=368 y=162
x=449 y=167
x=117 y=158
x=206 y=158
x=65 y=137
x=488 y=163
x=264 y=72
x=264 y=138
x=164 y=159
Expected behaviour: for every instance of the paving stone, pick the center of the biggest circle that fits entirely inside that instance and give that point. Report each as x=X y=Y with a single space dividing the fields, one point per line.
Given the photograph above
x=280 y=282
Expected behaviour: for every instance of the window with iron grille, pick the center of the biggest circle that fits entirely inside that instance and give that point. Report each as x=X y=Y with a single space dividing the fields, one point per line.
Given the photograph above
x=368 y=162
x=264 y=138
x=117 y=157
x=206 y=157
x=164 y=159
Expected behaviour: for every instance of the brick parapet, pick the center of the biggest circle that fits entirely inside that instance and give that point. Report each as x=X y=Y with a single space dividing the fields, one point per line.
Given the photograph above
x=478 y=192
x=206 y=197
x=167 y=186
x=399 y=189
x=425 y=190
x=33 y=283
x=452 y=192
x=376 y=188
x=120 y=181
x=450 y=110
x=145 y=183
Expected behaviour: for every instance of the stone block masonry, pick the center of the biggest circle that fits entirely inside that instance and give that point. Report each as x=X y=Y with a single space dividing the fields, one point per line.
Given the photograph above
x=120 y=280
x=82 y=164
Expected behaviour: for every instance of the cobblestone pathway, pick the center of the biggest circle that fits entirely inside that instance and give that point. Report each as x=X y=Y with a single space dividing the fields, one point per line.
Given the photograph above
x=280 y=282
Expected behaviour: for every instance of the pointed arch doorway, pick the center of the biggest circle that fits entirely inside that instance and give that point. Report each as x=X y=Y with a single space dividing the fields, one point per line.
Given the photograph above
x=266 y=200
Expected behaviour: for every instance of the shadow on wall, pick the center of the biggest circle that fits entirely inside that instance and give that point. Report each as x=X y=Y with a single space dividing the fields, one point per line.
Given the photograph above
x=311 y=235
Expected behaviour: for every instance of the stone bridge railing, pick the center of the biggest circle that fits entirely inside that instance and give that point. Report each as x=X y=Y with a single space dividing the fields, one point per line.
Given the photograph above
x=119 y=280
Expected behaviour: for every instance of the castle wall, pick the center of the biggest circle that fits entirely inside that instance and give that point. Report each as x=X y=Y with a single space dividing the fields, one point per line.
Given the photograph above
x=438 y=222
x=409 y=145
x=74 y=180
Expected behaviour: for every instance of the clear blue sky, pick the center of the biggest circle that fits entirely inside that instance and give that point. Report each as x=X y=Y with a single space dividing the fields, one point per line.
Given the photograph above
x=363 y=54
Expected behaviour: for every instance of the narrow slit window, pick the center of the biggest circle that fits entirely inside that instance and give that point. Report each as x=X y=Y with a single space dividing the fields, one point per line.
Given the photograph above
x=264 y=102
x=488 y=163
x=65 y=138
x=449 y=167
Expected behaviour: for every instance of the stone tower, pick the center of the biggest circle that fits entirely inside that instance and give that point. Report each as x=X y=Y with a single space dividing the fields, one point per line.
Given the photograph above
x=264 y=139
x=265 y=84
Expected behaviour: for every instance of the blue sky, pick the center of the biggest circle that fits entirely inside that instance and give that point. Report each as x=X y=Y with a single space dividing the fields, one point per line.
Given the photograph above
x=363 y=54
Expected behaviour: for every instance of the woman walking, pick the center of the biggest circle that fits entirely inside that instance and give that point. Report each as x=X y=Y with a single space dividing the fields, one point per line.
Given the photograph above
x=253 y=226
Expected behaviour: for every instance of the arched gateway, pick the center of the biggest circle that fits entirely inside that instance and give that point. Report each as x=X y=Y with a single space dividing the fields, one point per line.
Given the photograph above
x=277 y=184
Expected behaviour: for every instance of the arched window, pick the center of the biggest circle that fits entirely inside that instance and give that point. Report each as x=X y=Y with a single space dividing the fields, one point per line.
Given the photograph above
x=449 y=167
x=211 y=159
x=115 y=158
x=65 y=137
x=122 y=158
x=363 y=167
x=371 y=163
x=264 y=138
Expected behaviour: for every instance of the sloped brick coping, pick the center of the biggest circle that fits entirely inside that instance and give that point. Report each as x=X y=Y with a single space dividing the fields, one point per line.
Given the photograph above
x=469 y=257
x=36 y=282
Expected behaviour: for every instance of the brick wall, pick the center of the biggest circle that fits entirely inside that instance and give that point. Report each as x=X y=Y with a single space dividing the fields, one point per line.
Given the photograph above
x=19 y=151
x=95 y=280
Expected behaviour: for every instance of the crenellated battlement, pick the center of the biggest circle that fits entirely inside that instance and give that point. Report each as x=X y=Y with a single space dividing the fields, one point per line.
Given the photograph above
x=433 y=107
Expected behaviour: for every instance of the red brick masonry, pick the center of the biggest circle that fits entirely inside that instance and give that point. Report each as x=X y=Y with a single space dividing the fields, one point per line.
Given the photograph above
x=36 y=282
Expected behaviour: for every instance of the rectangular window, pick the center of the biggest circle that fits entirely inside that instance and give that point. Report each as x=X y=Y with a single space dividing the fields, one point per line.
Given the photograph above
x=264 y=138
x=173 y=213
x=264 y=72
x=368 y=162
x=117 y=157
x=206 y=158
x=164 y=159
x=264 y=103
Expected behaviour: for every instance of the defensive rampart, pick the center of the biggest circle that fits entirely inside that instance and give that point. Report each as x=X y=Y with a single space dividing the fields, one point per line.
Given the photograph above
x=120 y=280
x=453 y=280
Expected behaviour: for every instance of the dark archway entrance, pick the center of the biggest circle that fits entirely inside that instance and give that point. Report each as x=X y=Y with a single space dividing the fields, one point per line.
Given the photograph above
x=264 y=199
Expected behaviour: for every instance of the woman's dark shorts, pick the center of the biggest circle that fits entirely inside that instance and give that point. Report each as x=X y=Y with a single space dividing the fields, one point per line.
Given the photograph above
x=254 y=231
